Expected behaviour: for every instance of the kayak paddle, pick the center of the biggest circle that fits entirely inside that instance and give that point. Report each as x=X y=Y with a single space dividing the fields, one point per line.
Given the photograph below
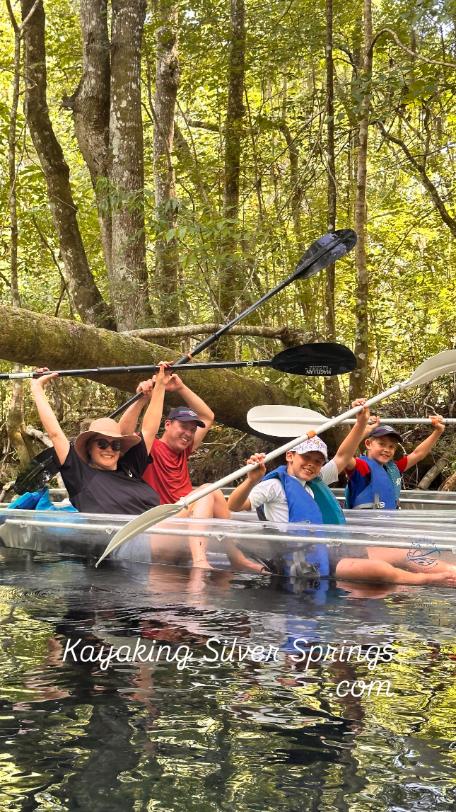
x=305 y=359
x=288 y=421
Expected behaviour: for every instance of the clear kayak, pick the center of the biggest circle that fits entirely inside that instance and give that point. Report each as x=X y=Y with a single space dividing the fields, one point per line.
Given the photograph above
x=409 y=500
x=87 y=535
x=401 y=517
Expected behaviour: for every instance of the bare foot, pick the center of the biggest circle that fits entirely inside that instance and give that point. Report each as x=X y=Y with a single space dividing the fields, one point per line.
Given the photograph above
x=445 y=578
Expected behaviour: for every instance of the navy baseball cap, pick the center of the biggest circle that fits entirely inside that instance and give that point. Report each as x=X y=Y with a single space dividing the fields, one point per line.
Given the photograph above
x=185 y=415
x=382 y=431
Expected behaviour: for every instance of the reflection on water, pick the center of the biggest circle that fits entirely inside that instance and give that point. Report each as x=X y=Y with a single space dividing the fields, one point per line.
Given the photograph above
x=245 y=693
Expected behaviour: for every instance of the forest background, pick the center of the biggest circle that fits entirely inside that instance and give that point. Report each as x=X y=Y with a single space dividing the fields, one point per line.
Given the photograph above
x=163 y=164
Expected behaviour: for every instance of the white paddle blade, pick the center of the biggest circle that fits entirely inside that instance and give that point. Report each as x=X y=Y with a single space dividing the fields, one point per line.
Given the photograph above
x=441 y=364
x=138 y=525
x=283 y=421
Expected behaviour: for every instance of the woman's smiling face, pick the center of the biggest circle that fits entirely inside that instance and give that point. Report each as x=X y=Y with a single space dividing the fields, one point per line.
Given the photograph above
x=105 y=458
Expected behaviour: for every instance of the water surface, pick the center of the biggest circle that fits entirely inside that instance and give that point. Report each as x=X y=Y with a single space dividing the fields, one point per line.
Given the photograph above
x=250 y=697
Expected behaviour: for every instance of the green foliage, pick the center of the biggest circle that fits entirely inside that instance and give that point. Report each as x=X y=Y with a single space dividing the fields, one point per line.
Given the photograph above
x=410 y=249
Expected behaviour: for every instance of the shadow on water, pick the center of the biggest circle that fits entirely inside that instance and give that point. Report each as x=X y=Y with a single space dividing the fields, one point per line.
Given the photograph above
x=131 y=688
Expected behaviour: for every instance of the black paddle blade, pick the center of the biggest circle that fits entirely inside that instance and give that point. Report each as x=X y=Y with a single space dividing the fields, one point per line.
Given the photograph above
x=40 y=471
x=326 y=250
x=315 y=359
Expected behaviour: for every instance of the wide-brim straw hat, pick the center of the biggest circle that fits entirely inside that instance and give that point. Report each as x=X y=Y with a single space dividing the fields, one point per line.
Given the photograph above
x=104 y=427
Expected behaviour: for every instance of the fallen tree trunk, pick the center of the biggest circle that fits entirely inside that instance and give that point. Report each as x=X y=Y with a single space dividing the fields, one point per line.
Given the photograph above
x=35 y=339
x=449 y=484
x=432 y=474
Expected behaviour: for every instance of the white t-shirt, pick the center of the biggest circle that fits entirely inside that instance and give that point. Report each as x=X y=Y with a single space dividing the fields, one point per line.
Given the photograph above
x=272 y=495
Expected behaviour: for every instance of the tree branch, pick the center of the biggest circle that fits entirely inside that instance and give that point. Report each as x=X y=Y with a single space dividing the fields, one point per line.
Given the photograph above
x=425 y=179
x=287 y=335
x=414 y=54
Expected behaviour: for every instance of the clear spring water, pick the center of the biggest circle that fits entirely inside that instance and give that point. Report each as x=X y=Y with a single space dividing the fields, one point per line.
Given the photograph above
x=269 y=723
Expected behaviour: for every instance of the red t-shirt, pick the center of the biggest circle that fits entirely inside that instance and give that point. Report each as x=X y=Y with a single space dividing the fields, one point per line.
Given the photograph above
x=168 y=472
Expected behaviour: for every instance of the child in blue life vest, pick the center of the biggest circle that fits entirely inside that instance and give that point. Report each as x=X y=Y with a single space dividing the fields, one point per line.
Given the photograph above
x=375 y=483
x=375 y=477
x=299 y=492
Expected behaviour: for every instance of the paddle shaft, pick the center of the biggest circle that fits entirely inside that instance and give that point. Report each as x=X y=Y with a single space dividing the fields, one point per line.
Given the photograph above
x=301 y=361
x=144 y=368
x=390 y=421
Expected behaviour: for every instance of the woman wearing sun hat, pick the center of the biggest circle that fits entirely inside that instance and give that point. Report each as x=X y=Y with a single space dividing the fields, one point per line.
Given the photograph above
x=102 y=470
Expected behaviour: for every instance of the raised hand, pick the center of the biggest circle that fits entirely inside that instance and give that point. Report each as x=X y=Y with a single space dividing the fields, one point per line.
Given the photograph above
x=437 y=423
x=163 y=376
x=174 y=383
x=257 y=473
x=145 y=388
x=44 y=379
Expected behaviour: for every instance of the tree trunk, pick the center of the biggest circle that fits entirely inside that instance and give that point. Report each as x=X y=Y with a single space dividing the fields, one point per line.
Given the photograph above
x=128 y=283
x=449 y=484
x=15 y=419
x=86 y=297
x=33 y=339
x=358 y=379
x=166 y=85
x=332 y=388
x=432 y=474
x=289 y=336
x=230 y=275
x=295 y=184
x=90 y=106
x=12 y=136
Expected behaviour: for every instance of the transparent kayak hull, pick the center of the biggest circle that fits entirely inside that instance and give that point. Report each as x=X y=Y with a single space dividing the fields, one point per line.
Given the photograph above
x=87 y=535
x=418 y=500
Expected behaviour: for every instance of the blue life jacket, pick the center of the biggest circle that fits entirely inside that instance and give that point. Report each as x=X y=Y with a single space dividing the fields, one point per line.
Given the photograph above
x=331 y=511
x=322 y=509
x=382 y=490
x=37 y=500
x=304 y=508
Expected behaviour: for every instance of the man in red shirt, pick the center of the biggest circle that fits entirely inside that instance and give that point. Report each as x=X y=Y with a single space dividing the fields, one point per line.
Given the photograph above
x=168 y=474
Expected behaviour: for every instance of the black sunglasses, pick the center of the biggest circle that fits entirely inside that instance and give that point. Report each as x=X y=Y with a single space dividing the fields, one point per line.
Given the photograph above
x=103 y=444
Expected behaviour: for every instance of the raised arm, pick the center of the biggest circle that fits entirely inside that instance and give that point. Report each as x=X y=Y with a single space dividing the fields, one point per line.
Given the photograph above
x=175 y=384
x=129 y=420
x=345 y=454
x=154 y=411
x=238 y=499
x=423 y=449
x=47 y=416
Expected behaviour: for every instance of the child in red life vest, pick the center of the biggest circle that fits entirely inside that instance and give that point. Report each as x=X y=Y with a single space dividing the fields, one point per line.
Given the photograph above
x=375 y=483
x=375 y=477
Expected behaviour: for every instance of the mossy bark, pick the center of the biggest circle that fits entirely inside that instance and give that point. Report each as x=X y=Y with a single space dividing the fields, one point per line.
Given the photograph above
x=39 y=340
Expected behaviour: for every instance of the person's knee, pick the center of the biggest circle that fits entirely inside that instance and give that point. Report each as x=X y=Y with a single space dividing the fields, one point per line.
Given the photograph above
x=364 y=569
